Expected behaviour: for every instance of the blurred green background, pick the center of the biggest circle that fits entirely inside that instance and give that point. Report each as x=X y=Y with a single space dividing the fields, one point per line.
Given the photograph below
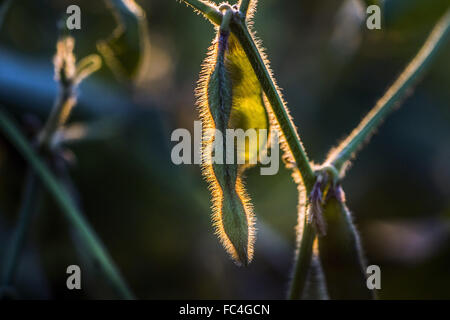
x=154 y=216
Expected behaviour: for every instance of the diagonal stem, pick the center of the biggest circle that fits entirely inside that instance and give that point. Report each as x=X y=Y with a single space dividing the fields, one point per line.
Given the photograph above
x=304 y=254
x=29 y=204
x=58 y=116
x=303 y=262
x=270 y=89
x=303 y=259
x=344 y=152
x=281 y=113
x=243 y=7
x=74 y=216
x=208 y=9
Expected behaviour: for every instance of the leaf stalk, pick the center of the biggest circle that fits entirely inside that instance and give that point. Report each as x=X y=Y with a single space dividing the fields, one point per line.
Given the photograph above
x=340 y=156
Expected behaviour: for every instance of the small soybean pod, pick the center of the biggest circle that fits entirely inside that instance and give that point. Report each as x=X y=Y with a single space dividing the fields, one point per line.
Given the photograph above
x=340 y=252
x=230 y=97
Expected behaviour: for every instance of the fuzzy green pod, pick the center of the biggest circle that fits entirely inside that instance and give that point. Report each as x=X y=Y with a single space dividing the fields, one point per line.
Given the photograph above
x=231 y=220
x=340 y=252
x=230 y=97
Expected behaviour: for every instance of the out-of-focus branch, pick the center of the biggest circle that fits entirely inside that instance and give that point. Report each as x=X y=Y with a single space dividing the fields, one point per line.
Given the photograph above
x=64 y=201
x=339 y=156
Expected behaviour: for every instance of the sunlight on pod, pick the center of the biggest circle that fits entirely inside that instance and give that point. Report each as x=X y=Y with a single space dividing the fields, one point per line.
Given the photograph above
x=287 y=157
x=4 y=7
x=230 y=97
x=340 y=251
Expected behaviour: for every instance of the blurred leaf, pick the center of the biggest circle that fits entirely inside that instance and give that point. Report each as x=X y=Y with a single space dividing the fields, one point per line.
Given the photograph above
x=341 y=254
x=4 y=6
x=127 y=47
x=35 y=77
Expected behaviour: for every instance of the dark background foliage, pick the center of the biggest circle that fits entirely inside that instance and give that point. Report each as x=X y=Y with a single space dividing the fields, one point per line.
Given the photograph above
x=154 y=216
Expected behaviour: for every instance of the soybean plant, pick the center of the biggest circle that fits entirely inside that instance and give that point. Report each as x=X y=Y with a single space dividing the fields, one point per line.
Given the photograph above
x=238 y=91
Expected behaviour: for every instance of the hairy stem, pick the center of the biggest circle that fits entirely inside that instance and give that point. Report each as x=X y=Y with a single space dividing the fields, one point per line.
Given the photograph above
x=304 y=255
x=270 y=89
x=206 y=8
x=243 y=7
x=73 y=215
x=344 y=152
x=29 y=205
x=302 y=262
x=303 y=259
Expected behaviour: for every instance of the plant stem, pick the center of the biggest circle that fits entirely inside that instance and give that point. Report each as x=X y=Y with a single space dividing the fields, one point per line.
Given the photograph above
x=302 y=262
x=93 y=243
x=29 y=203
x=304 y=255
x=344 y=152
x=210 y=11
x=243 y=7
x=58 y=116
x=270 y=89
